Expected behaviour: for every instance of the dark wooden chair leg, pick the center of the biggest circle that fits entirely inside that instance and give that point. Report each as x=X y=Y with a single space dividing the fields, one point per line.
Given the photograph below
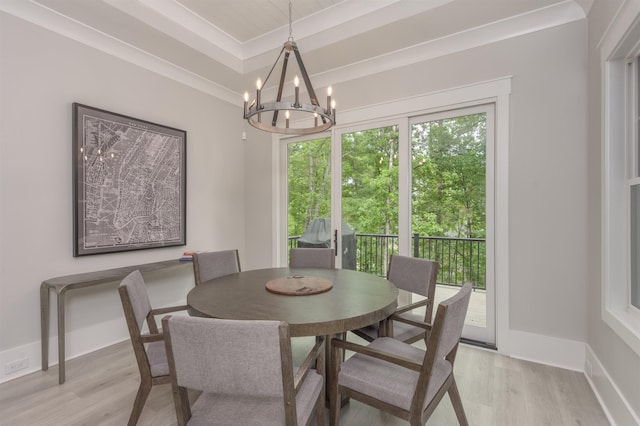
x=138 y=405
x=456 y=401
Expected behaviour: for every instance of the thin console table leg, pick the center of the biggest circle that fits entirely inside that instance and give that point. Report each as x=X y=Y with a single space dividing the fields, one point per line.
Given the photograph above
x=61 y=339
x=71 y=282
x=44 y=325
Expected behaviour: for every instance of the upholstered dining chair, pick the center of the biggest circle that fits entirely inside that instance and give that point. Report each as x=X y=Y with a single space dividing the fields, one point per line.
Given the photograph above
x=401 y=379
x=148 y=347
x=312 y=257
x=414 y=275
x=245 y=372
x=213 y=264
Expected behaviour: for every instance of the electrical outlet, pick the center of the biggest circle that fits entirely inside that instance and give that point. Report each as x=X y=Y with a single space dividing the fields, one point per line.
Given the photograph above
x=15 y=366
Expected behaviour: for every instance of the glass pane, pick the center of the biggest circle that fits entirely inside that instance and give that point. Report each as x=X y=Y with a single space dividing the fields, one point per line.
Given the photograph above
x=309 y=188
x=635 y=245
x=370 y=199
x=448 y=214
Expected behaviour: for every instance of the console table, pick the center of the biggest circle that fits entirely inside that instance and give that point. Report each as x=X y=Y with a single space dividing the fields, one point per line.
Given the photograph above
x=71 y=282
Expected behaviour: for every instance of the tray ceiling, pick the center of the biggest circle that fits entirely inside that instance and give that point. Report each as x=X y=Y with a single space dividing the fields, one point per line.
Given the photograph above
x=220 y=46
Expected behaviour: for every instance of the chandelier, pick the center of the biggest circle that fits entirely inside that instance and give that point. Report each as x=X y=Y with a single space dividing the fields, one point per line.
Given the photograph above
x=308 y=117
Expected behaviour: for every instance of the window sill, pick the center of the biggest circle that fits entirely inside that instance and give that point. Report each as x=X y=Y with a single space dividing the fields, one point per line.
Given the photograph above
x=625 y=324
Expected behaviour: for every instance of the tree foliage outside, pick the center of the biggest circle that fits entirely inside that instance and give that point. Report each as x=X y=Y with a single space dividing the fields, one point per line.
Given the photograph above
x=370 y=180
x=448 y=175
x=309 y=180
x=449 y=195
x=448 y=189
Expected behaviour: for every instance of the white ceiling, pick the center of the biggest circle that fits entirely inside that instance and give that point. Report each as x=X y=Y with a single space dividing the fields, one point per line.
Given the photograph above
x=220 y=46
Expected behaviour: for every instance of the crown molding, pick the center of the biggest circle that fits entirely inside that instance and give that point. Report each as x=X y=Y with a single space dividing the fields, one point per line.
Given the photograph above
x=175 y=20
x=336 y=23
x=340 y=22
x=537 y=20
x=63 y=25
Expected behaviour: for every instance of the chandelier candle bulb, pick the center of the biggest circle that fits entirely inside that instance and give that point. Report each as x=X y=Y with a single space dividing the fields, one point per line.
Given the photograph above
x=259 y=86
x=329 y=98
x=246 y=103
x=296 y=82
x=315 y=119
x=287 y=119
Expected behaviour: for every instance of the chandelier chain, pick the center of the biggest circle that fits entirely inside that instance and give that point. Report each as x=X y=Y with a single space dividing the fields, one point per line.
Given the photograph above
x=290 y=23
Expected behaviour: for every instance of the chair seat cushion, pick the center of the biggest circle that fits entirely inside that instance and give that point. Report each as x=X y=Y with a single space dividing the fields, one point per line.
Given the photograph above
x=157 y=355
x=225 y=409
x=388 y=382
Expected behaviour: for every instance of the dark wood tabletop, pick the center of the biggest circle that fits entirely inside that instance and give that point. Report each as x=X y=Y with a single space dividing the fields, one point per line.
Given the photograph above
x=355 y=300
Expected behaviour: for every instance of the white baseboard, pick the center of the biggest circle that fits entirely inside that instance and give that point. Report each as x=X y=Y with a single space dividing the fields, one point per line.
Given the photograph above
x=547 y=350
x=615 y=405
x=29 y=352
x=78 y=342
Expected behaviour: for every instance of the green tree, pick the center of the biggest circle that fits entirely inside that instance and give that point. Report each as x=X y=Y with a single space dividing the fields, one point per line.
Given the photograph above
x=370 y=180
x=448 y=188
x=449 y=177
x=309 y=180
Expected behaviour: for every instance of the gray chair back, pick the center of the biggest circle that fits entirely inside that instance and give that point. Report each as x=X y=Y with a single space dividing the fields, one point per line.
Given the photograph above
x=245 y=372
x=441 y=350
x=449 y=322
x=149 y=347
x=209 y=356
x=413 y=274
x=213 y=264
x=135 y=290
x=312 y=257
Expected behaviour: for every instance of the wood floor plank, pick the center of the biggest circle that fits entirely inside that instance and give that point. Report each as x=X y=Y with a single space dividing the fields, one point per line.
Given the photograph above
x=496 y=390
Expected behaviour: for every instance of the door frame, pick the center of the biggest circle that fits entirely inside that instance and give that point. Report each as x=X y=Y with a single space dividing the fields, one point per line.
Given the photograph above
x=493 y=91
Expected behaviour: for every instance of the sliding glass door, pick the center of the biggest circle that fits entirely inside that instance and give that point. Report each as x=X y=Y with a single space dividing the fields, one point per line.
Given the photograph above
x=452 y=207
x=419 y=186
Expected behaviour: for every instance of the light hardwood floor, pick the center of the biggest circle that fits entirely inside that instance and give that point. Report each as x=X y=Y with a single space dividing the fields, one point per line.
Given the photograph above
x=496 y=390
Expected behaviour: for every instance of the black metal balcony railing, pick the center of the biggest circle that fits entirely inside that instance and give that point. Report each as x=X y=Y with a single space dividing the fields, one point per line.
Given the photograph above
x=460 y=260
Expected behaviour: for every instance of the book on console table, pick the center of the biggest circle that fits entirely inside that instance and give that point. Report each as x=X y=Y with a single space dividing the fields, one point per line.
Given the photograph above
x=187 y=256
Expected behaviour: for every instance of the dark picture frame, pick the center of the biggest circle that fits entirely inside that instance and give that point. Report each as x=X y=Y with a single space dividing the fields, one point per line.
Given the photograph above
x=129 y=183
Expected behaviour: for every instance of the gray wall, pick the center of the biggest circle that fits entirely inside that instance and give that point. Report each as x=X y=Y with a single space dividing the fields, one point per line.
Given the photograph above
x=42 y=73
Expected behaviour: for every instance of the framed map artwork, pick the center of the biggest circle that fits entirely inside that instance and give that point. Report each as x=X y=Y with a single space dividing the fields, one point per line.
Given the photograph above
x=129 y=183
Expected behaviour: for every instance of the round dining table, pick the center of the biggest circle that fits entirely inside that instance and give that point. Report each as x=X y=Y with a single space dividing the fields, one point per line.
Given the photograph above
x=352 y=300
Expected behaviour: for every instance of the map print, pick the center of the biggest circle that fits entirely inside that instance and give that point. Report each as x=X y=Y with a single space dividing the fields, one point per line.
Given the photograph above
x=130 y=184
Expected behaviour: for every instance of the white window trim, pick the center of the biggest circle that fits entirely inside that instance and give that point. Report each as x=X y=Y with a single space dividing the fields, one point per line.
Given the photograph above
x=618 y=44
